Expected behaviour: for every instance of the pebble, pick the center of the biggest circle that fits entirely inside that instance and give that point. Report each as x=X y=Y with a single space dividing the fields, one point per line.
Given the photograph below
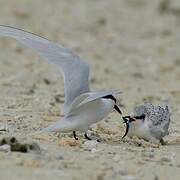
x=90 y=145
x=12 y=144
x=5 y=148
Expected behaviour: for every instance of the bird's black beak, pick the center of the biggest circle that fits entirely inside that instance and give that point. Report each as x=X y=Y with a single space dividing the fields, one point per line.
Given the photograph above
x=117 y=109
x=127 y=120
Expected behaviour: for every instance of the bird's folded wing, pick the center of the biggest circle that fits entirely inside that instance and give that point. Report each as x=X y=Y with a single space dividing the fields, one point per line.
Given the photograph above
x=77 y=101
x=89 y=97
x=74 y=70
x=99 y=94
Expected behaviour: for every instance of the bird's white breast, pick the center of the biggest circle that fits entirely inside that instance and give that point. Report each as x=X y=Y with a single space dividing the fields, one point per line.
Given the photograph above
x=91 y=113
x=139 y=129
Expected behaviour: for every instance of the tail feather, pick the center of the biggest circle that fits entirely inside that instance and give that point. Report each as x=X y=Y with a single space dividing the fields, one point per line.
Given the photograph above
x=51 y=128
x=59 y=126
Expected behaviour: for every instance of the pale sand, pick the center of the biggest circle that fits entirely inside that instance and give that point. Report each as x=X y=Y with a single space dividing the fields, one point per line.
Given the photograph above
x=131 y=46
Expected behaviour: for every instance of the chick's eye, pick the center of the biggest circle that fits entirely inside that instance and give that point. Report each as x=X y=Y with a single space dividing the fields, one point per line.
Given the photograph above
x=140 y=117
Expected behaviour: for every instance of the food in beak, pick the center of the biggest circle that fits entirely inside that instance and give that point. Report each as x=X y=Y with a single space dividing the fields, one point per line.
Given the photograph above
x=127 y=120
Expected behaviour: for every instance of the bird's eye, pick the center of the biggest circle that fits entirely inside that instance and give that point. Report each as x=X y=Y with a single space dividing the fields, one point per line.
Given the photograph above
x=140 y=117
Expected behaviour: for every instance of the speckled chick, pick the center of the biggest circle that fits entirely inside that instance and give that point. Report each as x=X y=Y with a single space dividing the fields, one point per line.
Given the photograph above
x=151 y=122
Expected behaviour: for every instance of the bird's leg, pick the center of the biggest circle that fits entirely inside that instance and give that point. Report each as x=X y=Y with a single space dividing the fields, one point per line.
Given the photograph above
x=162 y=142
x=87 y=137
x=74 y=134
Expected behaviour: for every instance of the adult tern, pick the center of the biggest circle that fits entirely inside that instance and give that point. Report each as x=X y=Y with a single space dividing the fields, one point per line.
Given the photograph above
x=82 y=107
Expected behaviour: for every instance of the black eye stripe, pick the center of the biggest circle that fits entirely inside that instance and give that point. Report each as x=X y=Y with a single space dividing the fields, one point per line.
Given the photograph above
x=110 y=97
x=140 y=117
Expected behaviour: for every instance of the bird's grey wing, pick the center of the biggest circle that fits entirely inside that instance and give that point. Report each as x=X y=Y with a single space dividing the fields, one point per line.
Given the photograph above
x=99 y=94
x=77 y=101
x=91 y=96
x=74 y=70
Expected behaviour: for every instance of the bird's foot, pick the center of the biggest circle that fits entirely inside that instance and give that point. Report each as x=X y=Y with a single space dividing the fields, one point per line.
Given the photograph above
x=87 y=137
x=162 y=142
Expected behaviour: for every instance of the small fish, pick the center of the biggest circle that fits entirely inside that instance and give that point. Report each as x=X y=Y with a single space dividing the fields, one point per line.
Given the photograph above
x=148 y=122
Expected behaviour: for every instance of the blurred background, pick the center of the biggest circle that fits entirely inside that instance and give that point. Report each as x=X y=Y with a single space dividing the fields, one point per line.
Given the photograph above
x=131 y=45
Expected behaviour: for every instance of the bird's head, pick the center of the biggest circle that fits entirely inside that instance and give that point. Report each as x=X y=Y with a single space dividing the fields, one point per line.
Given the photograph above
x=115 y=105
x=136 y=120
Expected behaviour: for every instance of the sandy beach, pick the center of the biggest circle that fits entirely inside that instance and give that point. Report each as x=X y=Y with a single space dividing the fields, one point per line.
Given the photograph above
x=131 y=45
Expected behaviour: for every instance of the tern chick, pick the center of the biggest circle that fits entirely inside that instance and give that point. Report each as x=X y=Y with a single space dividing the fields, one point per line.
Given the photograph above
x=148 y=122
x=82 y=107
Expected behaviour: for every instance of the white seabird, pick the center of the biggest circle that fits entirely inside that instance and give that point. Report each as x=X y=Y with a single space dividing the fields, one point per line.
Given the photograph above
x=148 y=122
x=82 y=107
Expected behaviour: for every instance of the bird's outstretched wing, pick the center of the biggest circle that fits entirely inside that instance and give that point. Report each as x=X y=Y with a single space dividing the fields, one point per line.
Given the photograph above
x=90 y=96
x=74 y=70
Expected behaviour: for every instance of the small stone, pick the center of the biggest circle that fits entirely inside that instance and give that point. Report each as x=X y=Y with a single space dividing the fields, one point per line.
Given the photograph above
x=15 y=145
x=5 y=148
x=47 y=81
x=8 y=140
x=19 y=147
x=90 y=145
